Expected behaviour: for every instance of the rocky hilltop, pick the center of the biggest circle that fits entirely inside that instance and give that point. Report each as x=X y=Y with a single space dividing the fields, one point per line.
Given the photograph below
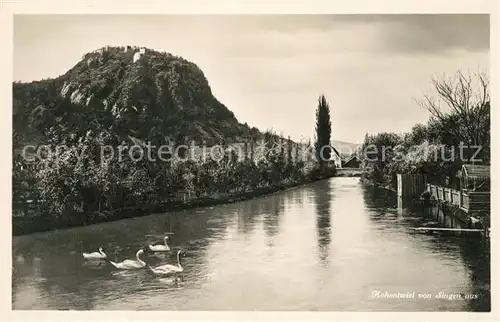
x=129 y=91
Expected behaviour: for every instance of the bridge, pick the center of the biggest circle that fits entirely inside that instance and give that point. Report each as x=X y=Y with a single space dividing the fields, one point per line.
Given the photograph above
x=348 y=172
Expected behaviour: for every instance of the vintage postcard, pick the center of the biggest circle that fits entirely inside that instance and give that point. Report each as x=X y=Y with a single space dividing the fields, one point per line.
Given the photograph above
x=328 y=162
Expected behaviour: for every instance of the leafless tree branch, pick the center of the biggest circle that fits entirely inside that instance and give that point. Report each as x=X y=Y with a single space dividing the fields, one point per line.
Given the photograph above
x=466 y=96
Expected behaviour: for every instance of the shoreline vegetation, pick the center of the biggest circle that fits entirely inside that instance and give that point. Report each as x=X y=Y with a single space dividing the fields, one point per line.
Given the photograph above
x=377 y=185
x=67 y=189
x=110 y=99
x=434 y=149
x=131 y=98
x=61 y=192
x=49 y=222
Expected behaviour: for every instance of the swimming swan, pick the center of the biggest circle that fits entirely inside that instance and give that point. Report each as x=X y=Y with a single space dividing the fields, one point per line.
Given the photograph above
x=169 y=269
x=160 y=248
x=131 y=264
x=95 y=255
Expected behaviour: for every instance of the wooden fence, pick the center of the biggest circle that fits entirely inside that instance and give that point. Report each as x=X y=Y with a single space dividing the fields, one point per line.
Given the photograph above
x=410 y=185
x=468 y=201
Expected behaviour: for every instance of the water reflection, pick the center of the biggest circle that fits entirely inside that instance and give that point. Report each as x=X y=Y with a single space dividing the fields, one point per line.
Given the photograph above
x=359 y=239
x=323 y=196
x=247 y=213
x=272 y=209
x=59 y=276
x=298 y=197
x=468 y=249
x=379 y=201
x=476 y=255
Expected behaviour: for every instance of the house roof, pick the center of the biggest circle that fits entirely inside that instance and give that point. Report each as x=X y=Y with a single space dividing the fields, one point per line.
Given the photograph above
x=336 y=152
x=351 y=157
x=481 y=172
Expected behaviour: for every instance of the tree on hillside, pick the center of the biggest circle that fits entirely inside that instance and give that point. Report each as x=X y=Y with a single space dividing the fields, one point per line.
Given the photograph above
x=323 y=131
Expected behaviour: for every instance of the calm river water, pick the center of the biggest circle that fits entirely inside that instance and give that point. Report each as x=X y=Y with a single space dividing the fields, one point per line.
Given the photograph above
x=325 y=246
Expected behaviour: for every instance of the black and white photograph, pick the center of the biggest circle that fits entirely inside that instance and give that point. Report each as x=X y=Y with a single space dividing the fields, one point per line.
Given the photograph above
x=251 y=162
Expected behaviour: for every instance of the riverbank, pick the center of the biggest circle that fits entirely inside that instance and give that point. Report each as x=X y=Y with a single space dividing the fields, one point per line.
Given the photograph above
x=29 y=225
x=377 y=185
x=349 y=172
x=253 y=234
x=470 y=220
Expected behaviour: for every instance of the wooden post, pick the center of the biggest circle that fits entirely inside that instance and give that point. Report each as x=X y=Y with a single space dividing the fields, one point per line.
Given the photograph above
x=410 y=185
x=400 y=206
x=400 y=184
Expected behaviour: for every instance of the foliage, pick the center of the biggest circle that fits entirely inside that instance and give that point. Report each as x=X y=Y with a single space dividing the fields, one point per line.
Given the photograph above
x=433 y=148
x=159 y=96
x=467 y=99
x=379 y=152
x=323 y=130
x=107 y=101
x=68 y=184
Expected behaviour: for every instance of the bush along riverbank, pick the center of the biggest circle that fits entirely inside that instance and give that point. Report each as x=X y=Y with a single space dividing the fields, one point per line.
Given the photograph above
x=439 y=147
x=65 y=191
x=45 y=222
x=386 y=186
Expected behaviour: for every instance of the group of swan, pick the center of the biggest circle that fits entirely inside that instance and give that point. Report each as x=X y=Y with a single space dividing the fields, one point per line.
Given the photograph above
x=138 y=263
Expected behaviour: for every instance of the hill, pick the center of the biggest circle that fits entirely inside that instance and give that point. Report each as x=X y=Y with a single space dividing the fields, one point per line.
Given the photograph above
x=129 y=91
x=345 y=148
x=120 y=95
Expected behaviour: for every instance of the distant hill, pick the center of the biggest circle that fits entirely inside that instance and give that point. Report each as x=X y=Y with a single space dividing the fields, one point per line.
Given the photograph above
x=345 y=148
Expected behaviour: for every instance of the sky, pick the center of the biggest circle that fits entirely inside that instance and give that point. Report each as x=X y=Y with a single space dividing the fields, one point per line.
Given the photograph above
x=270 y=70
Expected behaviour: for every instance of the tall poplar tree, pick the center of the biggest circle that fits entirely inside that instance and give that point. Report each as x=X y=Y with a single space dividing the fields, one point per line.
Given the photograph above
x=323 y=131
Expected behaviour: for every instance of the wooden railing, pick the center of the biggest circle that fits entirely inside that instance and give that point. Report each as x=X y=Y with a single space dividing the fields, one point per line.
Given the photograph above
x=465 y=200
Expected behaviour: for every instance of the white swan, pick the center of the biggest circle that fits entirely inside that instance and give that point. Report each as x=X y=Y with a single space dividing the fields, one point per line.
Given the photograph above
x=169 y=269
x=160 y=247
x=131 y=264
x=95 y=255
